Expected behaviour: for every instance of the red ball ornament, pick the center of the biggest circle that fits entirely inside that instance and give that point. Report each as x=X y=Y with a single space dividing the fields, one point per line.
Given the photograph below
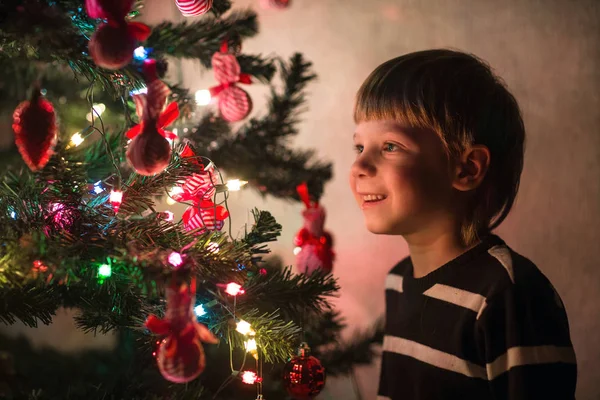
x=303 y=375
x=34 y=124
x=193 y=8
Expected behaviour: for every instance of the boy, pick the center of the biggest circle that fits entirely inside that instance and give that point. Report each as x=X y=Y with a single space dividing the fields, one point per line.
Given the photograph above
x=440 y=144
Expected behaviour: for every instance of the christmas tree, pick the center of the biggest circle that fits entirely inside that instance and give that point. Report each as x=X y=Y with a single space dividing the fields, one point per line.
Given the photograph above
x=199 y=310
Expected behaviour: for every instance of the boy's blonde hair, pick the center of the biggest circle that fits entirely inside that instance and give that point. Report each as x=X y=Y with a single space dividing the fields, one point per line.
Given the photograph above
x=459 y=97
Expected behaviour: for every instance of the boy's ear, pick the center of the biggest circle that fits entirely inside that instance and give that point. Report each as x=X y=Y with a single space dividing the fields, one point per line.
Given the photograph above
x=471 y=168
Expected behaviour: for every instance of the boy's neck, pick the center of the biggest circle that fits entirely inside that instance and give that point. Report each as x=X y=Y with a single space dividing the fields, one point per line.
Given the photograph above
x=430 y=251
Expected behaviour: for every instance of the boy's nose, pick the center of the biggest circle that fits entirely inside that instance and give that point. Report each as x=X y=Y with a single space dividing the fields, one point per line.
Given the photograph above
x=362 y=166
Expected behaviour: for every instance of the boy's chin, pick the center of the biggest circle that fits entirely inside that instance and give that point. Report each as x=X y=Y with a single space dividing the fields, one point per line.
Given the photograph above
x=383 y=228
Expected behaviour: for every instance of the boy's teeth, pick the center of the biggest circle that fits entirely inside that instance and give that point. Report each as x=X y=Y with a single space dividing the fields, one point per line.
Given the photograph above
x=373 y=197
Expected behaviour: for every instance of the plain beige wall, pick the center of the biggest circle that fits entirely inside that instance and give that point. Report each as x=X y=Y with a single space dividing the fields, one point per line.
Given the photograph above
x=549 y=54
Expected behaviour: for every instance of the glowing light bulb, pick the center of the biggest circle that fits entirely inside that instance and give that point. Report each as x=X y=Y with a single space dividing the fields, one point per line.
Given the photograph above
x=234 y=289
x=251 y=345
x=97 y=111
x=243 y=327
x=199 y=310
x=213 y=247
x=235 y=184
x=13 y=214
x=174 y=191
x=77 y=139
x=297 y=250
x=203 y=97
x=104 y=271
x=116 y=198
x=98 y=187
x=168 y=216
x=175 y=259
x=142 y=90
x=250 y=377
x=37 y=264
x=140 y=53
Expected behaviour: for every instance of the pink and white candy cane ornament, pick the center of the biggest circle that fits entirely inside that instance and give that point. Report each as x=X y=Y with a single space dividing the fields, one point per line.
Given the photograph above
x=234 y=103
x=193 y=8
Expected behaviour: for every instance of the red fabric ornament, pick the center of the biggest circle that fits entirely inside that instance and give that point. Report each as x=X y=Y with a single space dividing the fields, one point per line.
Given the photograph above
x=275 y=3
x=193 y=8
x=180 y=355
x=199 y=189
x=34 y=124
x=112 y=45
x=303 y=375
x=149 y=153
x=234 y=103
x=316 y=244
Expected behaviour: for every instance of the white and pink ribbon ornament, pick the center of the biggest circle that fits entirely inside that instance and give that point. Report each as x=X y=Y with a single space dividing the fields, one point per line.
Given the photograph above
x=234 y=102
x=112 y=45
x=149 y=152
x=193 y=8
x=199 y=189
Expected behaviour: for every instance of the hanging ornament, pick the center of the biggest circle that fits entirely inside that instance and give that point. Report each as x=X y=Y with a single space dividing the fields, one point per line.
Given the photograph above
x=193 y=8
x=275 y=3
x=34 y=124
x=150 y=152
x=180 y=356
x=234 y=103
x=314 y=245
x=199 y=189
x=303 y=375
x=114 y=41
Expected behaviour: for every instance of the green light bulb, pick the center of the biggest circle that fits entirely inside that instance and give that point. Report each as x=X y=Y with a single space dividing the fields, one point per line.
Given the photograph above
x=104 y=271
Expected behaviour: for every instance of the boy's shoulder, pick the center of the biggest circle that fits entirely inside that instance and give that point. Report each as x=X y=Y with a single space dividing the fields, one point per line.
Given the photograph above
x=500 y=271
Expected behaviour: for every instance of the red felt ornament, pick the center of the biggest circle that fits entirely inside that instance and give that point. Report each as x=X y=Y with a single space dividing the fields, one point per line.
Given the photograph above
x=149 y=152
x=112 y=45
x=314 y=244
x=34 y=124
x=275 y=3
x=180 y=356
x=193 y=8
x=303 y=375
x=234 y=102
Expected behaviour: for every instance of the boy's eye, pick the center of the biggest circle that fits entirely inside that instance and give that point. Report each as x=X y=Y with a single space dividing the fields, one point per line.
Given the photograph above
x=358 y=148
x=391 y=147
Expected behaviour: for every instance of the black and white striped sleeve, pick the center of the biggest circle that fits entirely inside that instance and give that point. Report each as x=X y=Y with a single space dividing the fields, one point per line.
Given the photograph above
x=523 y=336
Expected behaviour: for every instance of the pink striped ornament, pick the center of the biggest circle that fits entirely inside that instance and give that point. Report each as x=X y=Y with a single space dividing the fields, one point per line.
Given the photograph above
x=193 y=8
x=234 y=102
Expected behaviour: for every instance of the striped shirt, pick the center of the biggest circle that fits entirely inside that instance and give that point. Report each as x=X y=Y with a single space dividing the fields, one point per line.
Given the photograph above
x=486 y=325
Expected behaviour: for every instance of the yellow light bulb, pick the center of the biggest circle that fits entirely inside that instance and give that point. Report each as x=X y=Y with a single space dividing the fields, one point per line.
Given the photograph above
x=77 y=139
x=235 y=184
x=243 y=327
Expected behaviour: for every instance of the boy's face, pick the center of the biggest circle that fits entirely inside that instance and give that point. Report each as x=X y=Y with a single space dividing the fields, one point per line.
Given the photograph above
x=400 y=178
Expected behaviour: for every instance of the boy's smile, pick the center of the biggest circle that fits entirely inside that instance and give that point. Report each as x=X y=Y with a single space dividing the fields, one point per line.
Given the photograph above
x=400 y=177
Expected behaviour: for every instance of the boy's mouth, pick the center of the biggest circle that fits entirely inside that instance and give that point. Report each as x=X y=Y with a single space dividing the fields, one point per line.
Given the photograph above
x=370 y=200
